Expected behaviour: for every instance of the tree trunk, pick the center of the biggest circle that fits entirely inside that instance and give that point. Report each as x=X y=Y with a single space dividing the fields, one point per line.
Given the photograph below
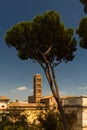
x=62 y=114
x=49 y=72
x=50 y=75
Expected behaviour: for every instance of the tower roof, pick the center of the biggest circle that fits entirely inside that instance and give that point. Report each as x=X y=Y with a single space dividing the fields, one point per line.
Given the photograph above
x=38 y=74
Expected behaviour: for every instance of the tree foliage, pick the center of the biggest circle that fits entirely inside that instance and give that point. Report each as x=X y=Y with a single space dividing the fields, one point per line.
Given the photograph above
x=84 y=2
x=16 y=119
x=82 y=32
x=44 y=35
x=13 y=119
x=51 y=120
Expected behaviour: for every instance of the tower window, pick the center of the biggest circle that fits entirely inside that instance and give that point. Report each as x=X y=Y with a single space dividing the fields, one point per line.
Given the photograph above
x=38 y=79
x=39 y=90
x=38 y=85
x=3 y=106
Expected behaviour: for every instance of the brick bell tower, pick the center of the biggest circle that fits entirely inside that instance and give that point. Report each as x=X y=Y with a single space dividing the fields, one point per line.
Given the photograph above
x=37 y=88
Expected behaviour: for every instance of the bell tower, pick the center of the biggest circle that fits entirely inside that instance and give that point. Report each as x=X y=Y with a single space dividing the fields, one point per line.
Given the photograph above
x=37 y=88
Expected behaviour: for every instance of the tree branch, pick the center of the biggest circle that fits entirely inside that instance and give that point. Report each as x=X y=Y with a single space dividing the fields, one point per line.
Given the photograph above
x=55 y=83
x=49 y=49
x=51 y=82
x=55 y=64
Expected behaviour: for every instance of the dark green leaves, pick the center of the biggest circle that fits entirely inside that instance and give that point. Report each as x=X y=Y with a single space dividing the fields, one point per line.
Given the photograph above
x=82 y=32
x=44 y=39
x=84 y=2
x=18 y=34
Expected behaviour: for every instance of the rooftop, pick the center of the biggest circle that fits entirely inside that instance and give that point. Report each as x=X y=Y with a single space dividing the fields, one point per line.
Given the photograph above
x=4 y=98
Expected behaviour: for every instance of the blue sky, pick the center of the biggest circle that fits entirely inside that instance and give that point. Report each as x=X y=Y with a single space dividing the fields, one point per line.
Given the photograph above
x=16 y=76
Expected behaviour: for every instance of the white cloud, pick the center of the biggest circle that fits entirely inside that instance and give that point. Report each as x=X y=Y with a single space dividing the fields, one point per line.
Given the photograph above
x=22 y=88
x=82 y=88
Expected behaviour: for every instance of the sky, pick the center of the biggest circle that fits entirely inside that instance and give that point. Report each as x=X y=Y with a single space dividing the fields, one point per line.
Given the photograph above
x=16 y=75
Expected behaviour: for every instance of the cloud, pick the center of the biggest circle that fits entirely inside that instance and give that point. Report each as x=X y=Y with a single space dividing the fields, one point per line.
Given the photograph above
x=22 y=88
x=82 y=88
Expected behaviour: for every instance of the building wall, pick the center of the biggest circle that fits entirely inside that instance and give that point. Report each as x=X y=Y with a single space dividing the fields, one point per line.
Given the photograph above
x=37 y=88
x=78 y=104
x=31 y=99
x=73 y=101
x=84 y=101
x=49 y=101
x=84 y=118
x=3 y=105
x=3 y=102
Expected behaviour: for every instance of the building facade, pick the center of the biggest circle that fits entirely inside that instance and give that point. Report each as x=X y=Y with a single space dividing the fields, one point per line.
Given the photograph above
x=37 y=96
x=3 y=102
x=78 y=105
x=75 y=104
x=37 y=89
